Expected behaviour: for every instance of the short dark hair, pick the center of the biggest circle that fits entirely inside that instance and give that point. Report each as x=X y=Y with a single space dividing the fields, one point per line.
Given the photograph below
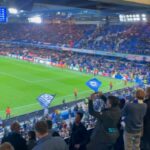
x=41 y=127
x=32 y=135
x=114 y=101
x=80 y=114
x=49 y=124
x=15 y=127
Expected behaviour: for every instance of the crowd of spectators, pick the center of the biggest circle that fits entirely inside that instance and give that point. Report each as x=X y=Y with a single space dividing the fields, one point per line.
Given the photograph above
x=119 y=120
x=130 y=38
x=106 y=66
x=116 y=125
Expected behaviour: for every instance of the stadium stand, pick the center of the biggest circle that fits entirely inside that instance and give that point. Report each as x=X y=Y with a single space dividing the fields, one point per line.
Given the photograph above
x=106 y=66
x=116 y=120
x=64 y=125
x=130 y=39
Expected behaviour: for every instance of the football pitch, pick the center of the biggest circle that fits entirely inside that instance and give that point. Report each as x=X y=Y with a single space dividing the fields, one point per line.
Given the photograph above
x=22 y=82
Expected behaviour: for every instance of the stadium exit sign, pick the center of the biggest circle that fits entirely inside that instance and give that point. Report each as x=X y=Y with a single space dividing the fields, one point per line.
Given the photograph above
x=3 y=15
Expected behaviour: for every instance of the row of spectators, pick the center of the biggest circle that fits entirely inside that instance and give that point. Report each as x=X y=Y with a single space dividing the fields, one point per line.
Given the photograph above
x=106 y=66
x=133 y=38
x=121 y=123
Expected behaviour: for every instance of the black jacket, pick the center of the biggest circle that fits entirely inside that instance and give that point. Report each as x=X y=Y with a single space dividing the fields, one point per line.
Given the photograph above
x=106 y=131
x=147 y=120
x=17 y=141
x=78 y=136
x=31 y=144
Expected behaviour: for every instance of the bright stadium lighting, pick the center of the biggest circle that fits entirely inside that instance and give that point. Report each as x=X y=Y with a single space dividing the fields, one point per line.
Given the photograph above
x=134 y=19
x=121 y=18
x=137 y=15
x=144 y=19
x=13 y=11
x=143 y=15
x=35 y=19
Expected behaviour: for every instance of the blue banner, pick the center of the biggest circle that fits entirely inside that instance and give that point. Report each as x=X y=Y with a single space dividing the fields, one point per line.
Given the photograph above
x=45 y=100
x=94 y=84
x=118 y=76
x=139 y=81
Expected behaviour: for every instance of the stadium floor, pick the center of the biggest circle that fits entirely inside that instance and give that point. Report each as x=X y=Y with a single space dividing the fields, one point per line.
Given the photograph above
x=22 y=82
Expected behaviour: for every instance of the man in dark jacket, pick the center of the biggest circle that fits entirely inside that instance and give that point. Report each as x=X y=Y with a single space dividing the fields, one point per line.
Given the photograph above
x=79 y=137
x=146 y=135
x=31 y=140
x=15 y=138
x=105 y=133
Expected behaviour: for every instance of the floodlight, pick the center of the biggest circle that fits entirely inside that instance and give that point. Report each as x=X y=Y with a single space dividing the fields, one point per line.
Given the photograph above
x=144 y=19
x=13 y=11
x=35 y=19
x=143 y=15
x=137 y=15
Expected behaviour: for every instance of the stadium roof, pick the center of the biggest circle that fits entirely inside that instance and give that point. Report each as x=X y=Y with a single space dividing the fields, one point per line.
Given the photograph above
x=105 y=7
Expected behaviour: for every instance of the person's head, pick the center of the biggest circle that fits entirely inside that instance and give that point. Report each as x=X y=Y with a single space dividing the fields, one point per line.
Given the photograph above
x=31 y=135
x=112 y=101
x=140 y=94
x=79 y=117
x=49 y=124
x=148 y=92
x=6 y=146
x=41 y=129
x=15 y=127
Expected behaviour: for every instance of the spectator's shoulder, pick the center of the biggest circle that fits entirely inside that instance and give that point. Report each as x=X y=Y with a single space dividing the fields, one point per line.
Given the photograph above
x=147 y=101
x=57 y=138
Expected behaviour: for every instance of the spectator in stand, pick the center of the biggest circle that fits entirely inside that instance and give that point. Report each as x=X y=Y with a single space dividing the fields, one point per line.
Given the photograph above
x=6 y=146
x=15 y=138
x=106 y=132
x=79 y=136
x=31 y=140
x=50 y=130
x=133 y=115
x=146 y=135
x=46 y=141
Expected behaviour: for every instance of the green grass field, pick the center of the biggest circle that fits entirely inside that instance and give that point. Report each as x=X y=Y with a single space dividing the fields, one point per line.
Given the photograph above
x=22 y=82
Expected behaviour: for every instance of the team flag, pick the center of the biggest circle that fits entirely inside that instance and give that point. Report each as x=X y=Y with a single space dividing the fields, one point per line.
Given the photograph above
x=118 y=76
x=139 y=81
x=94 y=84
x=45 y=100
